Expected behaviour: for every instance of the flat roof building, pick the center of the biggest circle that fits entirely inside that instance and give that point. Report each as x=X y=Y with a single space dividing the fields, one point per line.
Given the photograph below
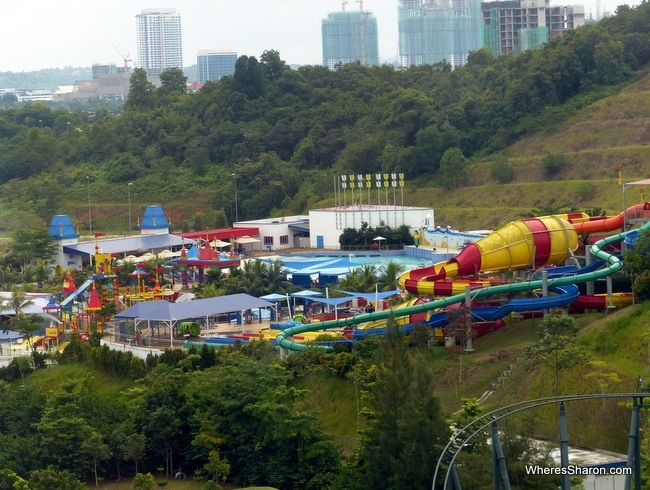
x=213 y=64
x=350 y=37
x=160 y=43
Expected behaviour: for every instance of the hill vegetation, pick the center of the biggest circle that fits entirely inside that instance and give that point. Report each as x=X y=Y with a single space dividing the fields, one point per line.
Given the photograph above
x=244 y=415
x=286 y=134
x=497 y=139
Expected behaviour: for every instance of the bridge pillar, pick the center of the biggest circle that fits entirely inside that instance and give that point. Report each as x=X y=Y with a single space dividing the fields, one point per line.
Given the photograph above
x=499 y=469
x=634 y=449
x=454 y=482
x=564 y=448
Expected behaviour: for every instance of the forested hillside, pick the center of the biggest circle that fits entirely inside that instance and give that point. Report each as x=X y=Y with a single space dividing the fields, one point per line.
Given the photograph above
x=286 y=133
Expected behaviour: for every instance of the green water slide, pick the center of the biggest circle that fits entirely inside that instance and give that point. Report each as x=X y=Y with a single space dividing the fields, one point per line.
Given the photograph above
x=612 y=265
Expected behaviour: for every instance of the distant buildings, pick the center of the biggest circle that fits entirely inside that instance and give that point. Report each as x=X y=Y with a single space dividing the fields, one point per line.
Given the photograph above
x=211 y=65
x=431 y=31
x=160 y=44
x=350 y=37
x=513 y=26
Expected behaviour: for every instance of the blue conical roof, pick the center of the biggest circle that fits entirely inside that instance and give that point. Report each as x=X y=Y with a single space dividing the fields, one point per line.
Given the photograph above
x=154 y=218
x=61 y=228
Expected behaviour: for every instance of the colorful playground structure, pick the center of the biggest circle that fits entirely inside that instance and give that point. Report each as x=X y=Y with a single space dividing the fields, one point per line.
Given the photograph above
x=519 y=268
x=516 y=271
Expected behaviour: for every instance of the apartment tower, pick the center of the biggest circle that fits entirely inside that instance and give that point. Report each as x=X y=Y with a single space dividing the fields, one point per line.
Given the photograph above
x=160 y=43
x=349 y=37
x=431 y=31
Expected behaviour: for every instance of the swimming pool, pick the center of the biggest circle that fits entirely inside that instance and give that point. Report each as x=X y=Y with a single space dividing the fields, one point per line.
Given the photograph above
x=341 y=263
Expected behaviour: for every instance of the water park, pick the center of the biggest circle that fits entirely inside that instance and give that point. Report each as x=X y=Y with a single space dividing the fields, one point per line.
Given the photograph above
x=526 y=268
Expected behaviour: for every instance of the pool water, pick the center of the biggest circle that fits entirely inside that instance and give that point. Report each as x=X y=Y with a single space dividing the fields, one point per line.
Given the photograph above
x=342 y=263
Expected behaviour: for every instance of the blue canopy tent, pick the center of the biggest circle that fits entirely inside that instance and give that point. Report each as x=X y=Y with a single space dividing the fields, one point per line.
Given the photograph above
x=377 y=296
x=307 y=296
x=172 y=313
x=335 y=302
x=275 y=298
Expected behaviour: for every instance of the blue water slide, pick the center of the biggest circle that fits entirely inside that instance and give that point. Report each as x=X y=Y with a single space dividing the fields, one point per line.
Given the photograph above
x=76 y=293
x=563 y=295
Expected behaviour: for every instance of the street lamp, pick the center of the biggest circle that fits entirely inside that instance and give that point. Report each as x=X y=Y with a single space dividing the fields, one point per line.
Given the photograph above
x=67 y=127
x=90 y=217
x=41 y=121
x=129 y=188
x=236 y=211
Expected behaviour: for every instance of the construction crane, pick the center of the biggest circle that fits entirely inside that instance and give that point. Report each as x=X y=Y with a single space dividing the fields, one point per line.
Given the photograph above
x=125 y=59
x=126 y=62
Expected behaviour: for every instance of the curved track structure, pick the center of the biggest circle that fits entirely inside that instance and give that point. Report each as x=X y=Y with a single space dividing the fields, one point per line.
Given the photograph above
x=560 y=234
x=478 y=426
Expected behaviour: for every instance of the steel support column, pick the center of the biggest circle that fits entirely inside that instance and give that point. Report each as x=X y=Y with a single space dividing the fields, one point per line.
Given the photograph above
x=499 y=468
x=564 y=448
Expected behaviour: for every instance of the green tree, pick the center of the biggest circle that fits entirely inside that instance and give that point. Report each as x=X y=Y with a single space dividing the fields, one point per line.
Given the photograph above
x=97 y=450
x=556 y=348
x=133 y=449
x=53 y=479
x=28 y=325
x=272 y=65
x=454 y=171
x=64 y=430
x=389 y=275
x=11 y=481
x=247 y=78
x=35 y=244
x=406 y=427
x=173 y=81
x=637 y=259
x=141 y=91
x=641 y=286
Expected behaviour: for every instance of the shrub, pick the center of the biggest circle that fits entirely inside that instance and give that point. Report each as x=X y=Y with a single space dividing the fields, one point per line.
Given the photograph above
x=586 y=191
x=502 y=171
x=553 y=163
x=642 y=286
x=143 y=481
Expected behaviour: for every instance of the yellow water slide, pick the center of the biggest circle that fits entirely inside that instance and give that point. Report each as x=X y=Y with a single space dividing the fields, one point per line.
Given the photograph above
x=533 y=242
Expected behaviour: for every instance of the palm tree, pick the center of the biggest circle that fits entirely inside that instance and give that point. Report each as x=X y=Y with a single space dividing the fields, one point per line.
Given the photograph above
x=18 y=302
x=7 y=277
x=27 y=325
x=360 y=279
x=389 y=275
x=277 y=278
x=42 y=272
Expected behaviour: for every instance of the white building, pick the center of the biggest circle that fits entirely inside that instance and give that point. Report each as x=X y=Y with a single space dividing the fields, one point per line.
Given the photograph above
x=160 y=44
x=327 y=225
x=278 y=233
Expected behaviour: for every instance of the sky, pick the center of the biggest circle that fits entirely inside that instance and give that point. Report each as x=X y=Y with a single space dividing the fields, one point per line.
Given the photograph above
x=79 y=33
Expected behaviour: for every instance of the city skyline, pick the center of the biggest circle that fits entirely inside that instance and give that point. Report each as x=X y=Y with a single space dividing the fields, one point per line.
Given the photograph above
x=81 y=33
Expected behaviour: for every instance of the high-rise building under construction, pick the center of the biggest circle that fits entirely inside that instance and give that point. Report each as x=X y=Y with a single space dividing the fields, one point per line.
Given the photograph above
x=513 y=26
x=431 y=31
x=160 y=44
x=350 y=37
